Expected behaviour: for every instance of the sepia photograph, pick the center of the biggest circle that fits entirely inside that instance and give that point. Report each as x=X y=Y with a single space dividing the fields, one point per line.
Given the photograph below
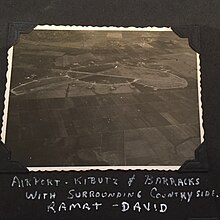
x=103 y=97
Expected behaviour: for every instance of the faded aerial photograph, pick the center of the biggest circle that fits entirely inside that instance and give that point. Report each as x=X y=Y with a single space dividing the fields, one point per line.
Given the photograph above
x=103 y=98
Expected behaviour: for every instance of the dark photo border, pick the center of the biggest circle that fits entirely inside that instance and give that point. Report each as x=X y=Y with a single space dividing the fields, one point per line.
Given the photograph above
x=199 y=21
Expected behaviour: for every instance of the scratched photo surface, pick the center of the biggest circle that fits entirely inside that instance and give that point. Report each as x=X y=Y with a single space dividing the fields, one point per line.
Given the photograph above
x=103 y=98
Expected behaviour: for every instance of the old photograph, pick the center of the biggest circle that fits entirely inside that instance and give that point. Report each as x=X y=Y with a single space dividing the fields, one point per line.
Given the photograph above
x=103 y=98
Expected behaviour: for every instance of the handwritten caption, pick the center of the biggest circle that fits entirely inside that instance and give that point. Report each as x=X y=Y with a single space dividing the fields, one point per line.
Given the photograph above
x=148 y=194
